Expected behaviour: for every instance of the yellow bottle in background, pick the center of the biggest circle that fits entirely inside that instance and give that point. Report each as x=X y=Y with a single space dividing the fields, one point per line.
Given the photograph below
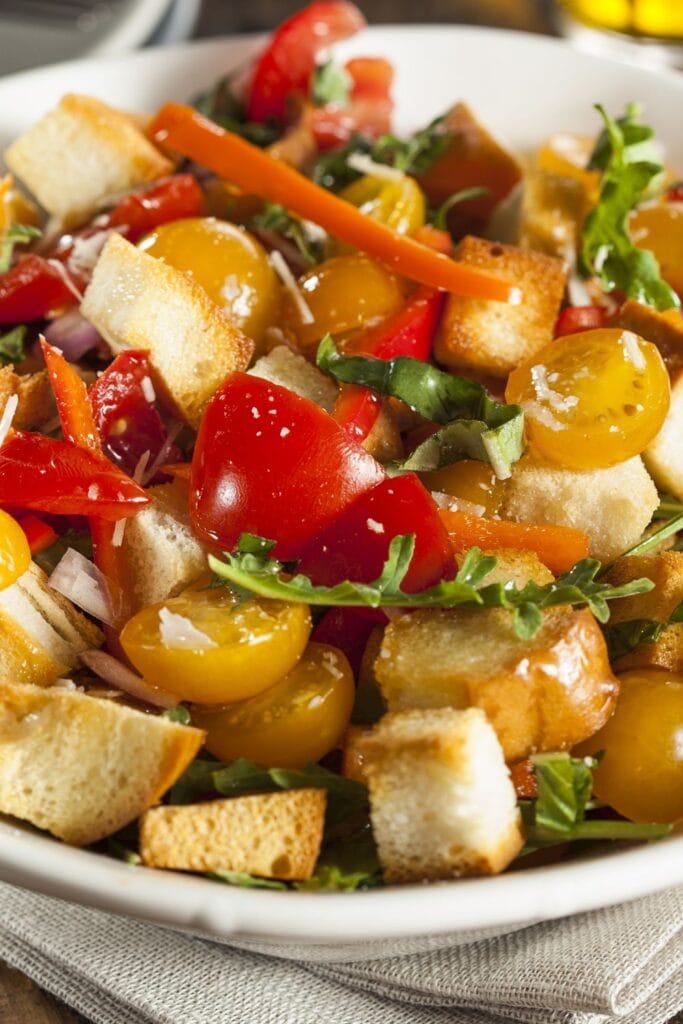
x=660 y=18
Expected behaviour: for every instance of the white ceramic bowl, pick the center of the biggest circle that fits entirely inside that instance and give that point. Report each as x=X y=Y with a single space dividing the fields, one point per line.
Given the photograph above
x=524 y=87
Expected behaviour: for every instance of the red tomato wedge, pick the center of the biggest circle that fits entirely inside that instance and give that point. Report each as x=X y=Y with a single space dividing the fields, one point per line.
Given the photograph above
x=31 y=290
x=575 y=319
x=355 y=546
x=368 y=111
x=289 y=59
x=271 y=463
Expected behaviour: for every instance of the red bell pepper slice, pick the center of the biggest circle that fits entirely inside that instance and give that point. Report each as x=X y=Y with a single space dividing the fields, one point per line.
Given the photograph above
x=31 y=290
x=45 y=475
x=127 y=422
x=368 y=111
x=75 y=411
x=575 y=319
x=355 y=546
x=288 y=61
x=272 y=463
x=168 y=200
x=409 y=333
x=39 y=534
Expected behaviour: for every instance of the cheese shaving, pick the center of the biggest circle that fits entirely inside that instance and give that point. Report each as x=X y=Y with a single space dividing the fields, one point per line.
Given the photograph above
x=277 y=261
x=8 y=414
x=632 y=350
x=364 y=164
x=177 y=633
x=62 y=271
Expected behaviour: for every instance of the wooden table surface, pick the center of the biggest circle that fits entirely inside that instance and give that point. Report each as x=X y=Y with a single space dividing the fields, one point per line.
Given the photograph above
x=22 y=1002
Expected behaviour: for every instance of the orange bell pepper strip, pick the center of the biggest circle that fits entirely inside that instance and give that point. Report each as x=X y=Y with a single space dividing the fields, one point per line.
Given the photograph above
x=182 y=130
x=558 y=547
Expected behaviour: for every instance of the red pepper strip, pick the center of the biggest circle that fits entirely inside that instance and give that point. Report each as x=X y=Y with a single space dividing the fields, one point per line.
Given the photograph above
x=409 y=333
x=44 y=475
x=71 y=395
x=170 y=199
x=31 y=290
x=675 y=195
x=289 y=59
x=39 y=534
x=575 y=319
x=180 y=128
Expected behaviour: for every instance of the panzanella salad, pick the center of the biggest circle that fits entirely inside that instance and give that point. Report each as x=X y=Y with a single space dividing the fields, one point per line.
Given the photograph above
x=341 y=478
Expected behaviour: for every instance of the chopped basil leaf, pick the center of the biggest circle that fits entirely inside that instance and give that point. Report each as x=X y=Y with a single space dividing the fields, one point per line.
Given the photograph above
x=263 y=575
x=15 y=234
x=478 y=427
x=178 y=714
x=12 y=345
x=330 y=83
x=631 y=167
x=276 y=218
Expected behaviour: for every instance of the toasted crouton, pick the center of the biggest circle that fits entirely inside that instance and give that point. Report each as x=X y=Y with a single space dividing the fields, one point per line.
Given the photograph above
x=161 y=554
x=82 y=767
x=494 y=337
x=546 y=693
x=137 y=301
x=36 y=404
x=272 y=835
x=472 y=157
x=518 y=567
x=666 y=572
x=613 y=506
x=291 y=370
x=441 y=800
x=553 y=209
x=41 y=633
x=92 y=152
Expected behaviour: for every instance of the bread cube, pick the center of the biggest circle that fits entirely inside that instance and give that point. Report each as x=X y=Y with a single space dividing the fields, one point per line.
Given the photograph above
x=494 y=337
x=441 y=800
x=272 y=835
x=291 y=370
x=553 y=209
x=161 y=554
x=80 y=155
x=81 y=767
x=666 y=572
x=36 y=402
x=665 y=330
x=613 y=505
x=547 y=693
x=472 y=157
x=137 y=301
x=518 y=567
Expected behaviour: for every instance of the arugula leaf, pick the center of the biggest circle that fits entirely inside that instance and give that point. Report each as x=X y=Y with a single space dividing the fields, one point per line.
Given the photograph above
x=557 y=815
x=478 y=427
x=260 y=574
x=275 y=218
x=347 y=864
x=631 y=167
x=245 y=880
x=439 y=217
x=331 y=83
x=653 y=540
x=668 y=507
x=624 y=637
x=222 y=105
x=196 y=781
x=15 y=234
x=12 y=345
x=178 y=714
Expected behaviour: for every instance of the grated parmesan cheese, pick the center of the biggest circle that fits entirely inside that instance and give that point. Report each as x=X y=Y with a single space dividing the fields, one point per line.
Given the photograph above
x=179 y=634
x=147 y=389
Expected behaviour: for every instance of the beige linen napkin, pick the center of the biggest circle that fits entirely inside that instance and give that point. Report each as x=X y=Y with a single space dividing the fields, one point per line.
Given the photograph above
x=622 y=964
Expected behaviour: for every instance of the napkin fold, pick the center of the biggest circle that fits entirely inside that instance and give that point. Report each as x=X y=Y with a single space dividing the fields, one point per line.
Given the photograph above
x=622 y=964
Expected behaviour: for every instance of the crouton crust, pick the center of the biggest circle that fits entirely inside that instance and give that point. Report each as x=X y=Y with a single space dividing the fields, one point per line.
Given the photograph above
x=36 y=404
x=666 y=572
x=495 y=337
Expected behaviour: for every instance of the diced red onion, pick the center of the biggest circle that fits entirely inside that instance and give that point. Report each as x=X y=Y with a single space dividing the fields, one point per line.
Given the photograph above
x=118 y=675
x=76 y=578
x=73 y=334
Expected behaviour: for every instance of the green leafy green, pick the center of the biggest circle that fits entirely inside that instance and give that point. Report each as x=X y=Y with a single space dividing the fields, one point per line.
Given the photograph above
x=668 y=507
x=624 y=637
x=369 y=705
x=178 y=714
x=252 y=570
x=245 y=880
x=653 y=540
x=557 y=815
x=347 y=864
x=15 y=234
x=331 y=83
x=631 y=168
x=222 y=105
x=275 y=218
x=12 y=345
x=477 y=426
x=195 y=782
x=439 y=217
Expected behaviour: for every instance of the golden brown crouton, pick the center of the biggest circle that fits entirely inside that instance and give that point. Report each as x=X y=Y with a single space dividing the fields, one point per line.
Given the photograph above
x=472 y=158
x=137 y=301
x=553 y=209
x=613 y=506
x=441 y=800
x=291 y=370
x=81 y=767
x=36 y=400
x=272 y=835
x=665 y=330
x=666 y=572
x=494 y=337
x=518 y=567
x=92 y=152
x=546 y=693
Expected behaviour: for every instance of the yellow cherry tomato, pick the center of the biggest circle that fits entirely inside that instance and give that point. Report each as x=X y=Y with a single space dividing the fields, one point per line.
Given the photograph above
x=15 y=208
x=225 y=260
x=15 y=554
x=295 y=722
x=660 y=229
x=592 y=399
x=399 y=204
x=342 y=294
x=567 y=154
x=205 y=647
x=641 y=772
x=470 y=481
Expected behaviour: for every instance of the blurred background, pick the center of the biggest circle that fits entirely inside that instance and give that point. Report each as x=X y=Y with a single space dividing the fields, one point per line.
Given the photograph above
x=38 y=32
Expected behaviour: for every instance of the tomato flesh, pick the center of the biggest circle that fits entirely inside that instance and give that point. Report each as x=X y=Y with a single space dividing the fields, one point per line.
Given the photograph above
x=293 y=723
x=271 y=463
x=15 y=554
